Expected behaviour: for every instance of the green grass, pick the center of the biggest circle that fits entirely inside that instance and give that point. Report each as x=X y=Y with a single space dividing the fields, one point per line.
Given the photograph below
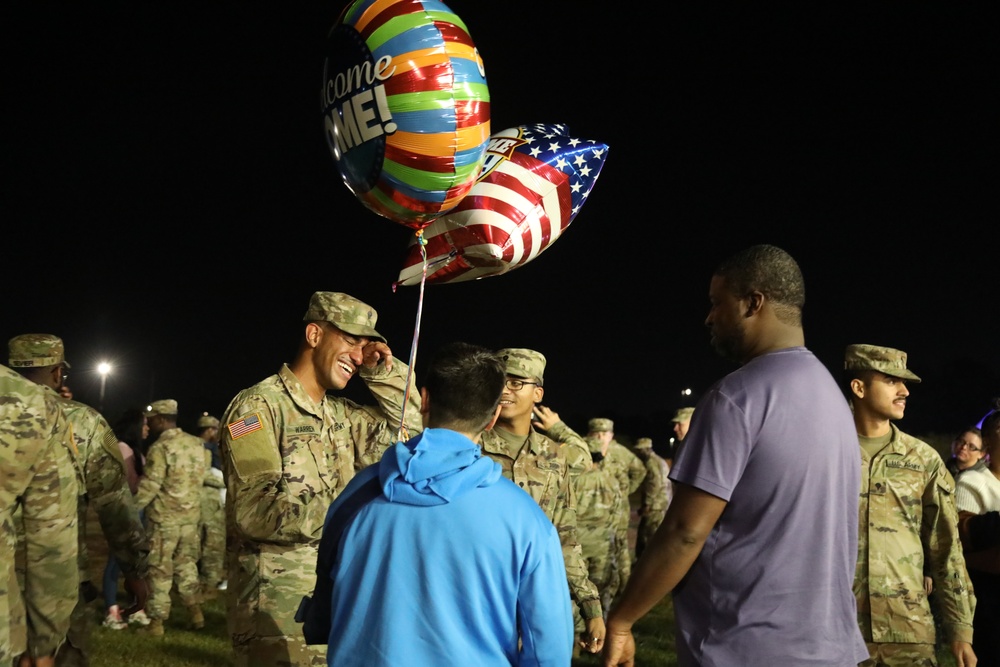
x=209 y=647
x=179 y=647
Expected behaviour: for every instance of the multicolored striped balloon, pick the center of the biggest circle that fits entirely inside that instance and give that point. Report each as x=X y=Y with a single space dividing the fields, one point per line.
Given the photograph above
x=406 y=107
x=534 y=181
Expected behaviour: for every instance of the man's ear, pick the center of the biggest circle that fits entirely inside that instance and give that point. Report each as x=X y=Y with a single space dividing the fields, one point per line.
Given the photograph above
x=425 y=402
x=858 y=388
x=493 y=421
x=314 y=334
x=754 y=303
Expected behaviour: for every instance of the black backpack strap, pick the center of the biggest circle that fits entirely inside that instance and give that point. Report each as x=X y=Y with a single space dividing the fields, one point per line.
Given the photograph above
x=314 y=611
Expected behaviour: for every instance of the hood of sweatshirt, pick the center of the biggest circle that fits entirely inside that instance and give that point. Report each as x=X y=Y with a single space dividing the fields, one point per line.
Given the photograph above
x=434 y=468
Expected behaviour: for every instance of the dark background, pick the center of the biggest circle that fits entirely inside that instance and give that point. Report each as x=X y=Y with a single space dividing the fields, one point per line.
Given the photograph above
x=170 y=202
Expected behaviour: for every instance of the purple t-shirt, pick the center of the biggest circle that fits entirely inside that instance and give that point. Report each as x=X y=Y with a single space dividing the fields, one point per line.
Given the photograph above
x=772 y=585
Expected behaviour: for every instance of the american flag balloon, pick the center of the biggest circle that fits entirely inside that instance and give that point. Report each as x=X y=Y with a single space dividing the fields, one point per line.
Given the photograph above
x=532 y=185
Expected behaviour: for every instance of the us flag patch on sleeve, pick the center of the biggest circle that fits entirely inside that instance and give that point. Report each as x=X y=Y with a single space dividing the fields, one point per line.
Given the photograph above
x=243 y=426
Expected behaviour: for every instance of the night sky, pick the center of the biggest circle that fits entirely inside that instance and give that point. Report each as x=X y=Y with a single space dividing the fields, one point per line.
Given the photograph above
x=171 y=203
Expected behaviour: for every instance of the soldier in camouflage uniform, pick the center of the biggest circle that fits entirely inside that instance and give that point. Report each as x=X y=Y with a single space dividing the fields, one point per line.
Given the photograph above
x=212 y=527
x=681 y=423
x=629 y=470
x=287 y=450
x=211 y=532
x=908 y=524
x=103 y=485
x=538 y=464
x=170 y=494
x=598 y=505
x=654 y=494
x=40 y=484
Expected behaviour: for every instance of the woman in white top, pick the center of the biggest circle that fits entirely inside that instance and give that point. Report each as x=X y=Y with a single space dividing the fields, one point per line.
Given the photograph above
x=978 y=489
x=978 y=492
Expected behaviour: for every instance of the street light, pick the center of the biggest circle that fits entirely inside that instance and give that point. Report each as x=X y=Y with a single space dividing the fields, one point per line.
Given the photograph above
x=103 y=368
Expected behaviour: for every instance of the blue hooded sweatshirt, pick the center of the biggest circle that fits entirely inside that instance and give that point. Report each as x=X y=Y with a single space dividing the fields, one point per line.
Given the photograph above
x=452 y=565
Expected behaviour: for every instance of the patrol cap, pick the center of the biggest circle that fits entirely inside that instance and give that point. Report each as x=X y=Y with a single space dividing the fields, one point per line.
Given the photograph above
x=643 y=443
x=36 y=351
x=344 y=312
x=523 y=363
x=166 y=406
x=886 y=360
x=683 y=415
x=600 y=424
x=205 y=421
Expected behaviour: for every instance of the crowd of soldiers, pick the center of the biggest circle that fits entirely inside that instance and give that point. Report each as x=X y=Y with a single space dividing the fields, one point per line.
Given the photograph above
x=169 y=534
x=62 y=459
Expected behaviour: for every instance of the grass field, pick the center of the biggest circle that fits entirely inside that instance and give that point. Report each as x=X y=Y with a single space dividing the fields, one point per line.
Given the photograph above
x=210 y=647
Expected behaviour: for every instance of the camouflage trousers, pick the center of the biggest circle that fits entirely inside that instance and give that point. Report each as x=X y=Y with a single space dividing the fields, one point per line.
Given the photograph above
x=212 y=538
x=623 y=560
x=75 y=651
x=173 y=557
x=900 y=655
x=648 y=524
x=602 y=570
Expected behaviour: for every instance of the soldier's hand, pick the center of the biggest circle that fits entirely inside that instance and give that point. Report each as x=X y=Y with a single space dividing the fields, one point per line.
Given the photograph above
x=139 y=590
x=376 y=351
x=47 y=661
x=592 y=638
x=546 y=417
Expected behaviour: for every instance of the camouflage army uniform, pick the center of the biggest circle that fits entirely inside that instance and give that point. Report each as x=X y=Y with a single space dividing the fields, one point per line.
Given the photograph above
x=907 y=510
x=170 y=494
x=629 y=470
x=211 y=528
x=39 y=480
x=285 y=459
x=654 y=498
x=598 y=504
x=105 y=484
x=539 y=466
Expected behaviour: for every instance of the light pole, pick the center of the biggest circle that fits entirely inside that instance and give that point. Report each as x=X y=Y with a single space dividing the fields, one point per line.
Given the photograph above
x=103 y=368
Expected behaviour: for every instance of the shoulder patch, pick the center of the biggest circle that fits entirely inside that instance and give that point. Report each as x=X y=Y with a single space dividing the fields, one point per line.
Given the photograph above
x=244 y=425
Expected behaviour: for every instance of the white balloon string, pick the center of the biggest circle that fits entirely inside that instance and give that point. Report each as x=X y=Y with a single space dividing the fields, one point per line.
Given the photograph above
x=401 y=433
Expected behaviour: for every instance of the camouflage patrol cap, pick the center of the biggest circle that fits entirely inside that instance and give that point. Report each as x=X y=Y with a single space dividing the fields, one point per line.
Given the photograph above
x=683 y=415
x=166 y=406
x=600 y=424
x=643 y=443
x=523 y=363
x=344 y=312
x=36 y=351
x=206 y=421
x=882 y=359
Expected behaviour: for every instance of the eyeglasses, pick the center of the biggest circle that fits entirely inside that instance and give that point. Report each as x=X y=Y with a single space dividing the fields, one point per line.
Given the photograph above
x=967 y=445
x=515 y=385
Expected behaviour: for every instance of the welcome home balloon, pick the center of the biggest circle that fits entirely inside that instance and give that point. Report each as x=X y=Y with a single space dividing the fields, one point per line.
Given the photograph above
x=405 y=107
x=534 y=181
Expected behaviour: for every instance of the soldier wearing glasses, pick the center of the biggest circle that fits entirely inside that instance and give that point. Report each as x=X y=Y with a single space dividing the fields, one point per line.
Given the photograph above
x=538 y=465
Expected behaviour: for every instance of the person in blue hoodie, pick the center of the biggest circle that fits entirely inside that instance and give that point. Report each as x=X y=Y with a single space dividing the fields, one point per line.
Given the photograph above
x=446 y=561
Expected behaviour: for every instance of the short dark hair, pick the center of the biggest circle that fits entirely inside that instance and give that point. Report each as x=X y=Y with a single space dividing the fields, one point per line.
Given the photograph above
x=771 y=271
x=465 y=382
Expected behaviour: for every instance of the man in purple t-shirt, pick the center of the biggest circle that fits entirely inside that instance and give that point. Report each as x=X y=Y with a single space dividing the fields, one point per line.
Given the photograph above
x=760 y=542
